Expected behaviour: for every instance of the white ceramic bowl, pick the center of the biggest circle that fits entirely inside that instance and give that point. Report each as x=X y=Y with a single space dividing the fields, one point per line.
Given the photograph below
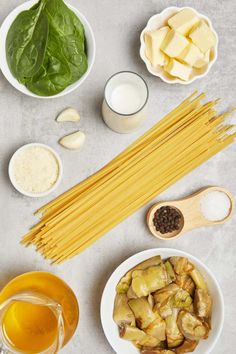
x=160 y=20
x=109 y=326
x=91 y=49
x=12 y=177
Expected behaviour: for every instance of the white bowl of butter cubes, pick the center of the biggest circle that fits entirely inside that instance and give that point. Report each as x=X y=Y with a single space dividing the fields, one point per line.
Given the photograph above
x=179 y=45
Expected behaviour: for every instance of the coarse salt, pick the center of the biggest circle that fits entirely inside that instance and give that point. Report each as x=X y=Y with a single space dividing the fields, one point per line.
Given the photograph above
x=215 y=206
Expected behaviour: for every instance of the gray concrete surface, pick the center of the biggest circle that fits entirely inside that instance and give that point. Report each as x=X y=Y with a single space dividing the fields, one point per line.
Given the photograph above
x=117 y=25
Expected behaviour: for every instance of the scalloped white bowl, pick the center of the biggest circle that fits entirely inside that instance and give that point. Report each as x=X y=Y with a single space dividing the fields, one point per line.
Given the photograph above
x=160 y=20
x=91 y=49
x=110 y=328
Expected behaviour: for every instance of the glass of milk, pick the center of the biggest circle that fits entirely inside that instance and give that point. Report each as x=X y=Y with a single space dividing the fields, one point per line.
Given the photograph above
x=125 y=102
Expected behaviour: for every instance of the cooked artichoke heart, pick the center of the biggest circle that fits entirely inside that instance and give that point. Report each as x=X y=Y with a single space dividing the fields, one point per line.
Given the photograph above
x=148 y=341
x=170 y=270
x=138 y=336
x=185 y=282
x=164 y=293
x=147 y=281
x=164 y=308
x=125 y=282
x=191 y=326
x=181 y=265
x=181 y=299
x=157 y=329
x=202 y=303
x=173 y=334
x=173 y=296
x=122 y=313
x=142 y=312
x=198 y=279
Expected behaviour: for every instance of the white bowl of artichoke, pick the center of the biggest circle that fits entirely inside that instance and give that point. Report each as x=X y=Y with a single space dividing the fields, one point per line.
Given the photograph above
x=162 y=301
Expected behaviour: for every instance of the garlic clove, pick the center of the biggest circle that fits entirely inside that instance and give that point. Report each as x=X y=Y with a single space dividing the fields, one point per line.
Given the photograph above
x=68 y=115
x=73 y=141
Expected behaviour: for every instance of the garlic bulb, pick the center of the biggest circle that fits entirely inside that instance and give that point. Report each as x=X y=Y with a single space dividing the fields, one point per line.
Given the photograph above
x=73 y=141
x=68 y=115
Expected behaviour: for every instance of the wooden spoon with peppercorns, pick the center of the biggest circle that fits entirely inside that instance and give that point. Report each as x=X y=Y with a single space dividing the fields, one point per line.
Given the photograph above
x=170 y=219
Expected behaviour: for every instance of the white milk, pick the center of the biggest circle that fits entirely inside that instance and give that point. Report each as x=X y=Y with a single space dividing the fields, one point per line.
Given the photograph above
x=126 y=99
x=124 y=105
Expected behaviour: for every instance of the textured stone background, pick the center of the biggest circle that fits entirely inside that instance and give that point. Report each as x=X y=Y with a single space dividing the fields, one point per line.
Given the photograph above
x=117 y=25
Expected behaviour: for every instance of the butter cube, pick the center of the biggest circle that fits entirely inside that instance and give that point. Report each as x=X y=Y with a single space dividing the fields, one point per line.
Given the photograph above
x=190 y=55
x=153 y=40
x=203 y=37
x=183 y=21
x=174 y=43
x=177 y=69
x=203 y=61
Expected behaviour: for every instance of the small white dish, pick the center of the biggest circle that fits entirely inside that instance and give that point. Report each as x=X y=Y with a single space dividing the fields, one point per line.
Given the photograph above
x=12 y=176
x=160 y=20
x=91 y=49
x=110 y=328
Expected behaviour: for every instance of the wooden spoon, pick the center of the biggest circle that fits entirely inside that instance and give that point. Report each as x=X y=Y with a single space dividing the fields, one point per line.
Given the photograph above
x=190 y=210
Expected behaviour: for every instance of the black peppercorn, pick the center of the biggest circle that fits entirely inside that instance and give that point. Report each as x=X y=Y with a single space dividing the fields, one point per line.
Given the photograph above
x=167 y=219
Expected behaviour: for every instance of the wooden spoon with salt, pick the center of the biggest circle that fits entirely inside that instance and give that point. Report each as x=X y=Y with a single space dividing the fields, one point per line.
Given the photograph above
x=190 y=211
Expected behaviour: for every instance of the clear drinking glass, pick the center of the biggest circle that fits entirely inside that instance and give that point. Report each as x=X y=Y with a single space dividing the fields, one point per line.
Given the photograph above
x=39 y=314
x=35 y=299
x=124 y=106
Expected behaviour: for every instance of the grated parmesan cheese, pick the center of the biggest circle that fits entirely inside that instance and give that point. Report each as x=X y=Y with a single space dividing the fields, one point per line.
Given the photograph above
x=36 y=169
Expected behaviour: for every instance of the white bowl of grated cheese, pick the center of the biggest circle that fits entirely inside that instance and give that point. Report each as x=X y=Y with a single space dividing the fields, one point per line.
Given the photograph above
x=35 y=170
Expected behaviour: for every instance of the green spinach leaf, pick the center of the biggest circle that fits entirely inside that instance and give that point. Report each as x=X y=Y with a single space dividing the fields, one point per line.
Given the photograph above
x=27 y=41
x=54 y=75
x=70 y=32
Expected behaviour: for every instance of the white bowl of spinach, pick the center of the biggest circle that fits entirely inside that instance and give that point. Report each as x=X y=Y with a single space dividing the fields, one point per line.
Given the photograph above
x=47 y=48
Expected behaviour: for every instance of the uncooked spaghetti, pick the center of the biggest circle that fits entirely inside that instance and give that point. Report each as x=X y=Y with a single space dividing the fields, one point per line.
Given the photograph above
x=188 y=136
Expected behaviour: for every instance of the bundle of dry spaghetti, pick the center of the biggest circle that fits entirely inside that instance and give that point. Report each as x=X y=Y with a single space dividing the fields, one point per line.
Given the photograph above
x=188 y=136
